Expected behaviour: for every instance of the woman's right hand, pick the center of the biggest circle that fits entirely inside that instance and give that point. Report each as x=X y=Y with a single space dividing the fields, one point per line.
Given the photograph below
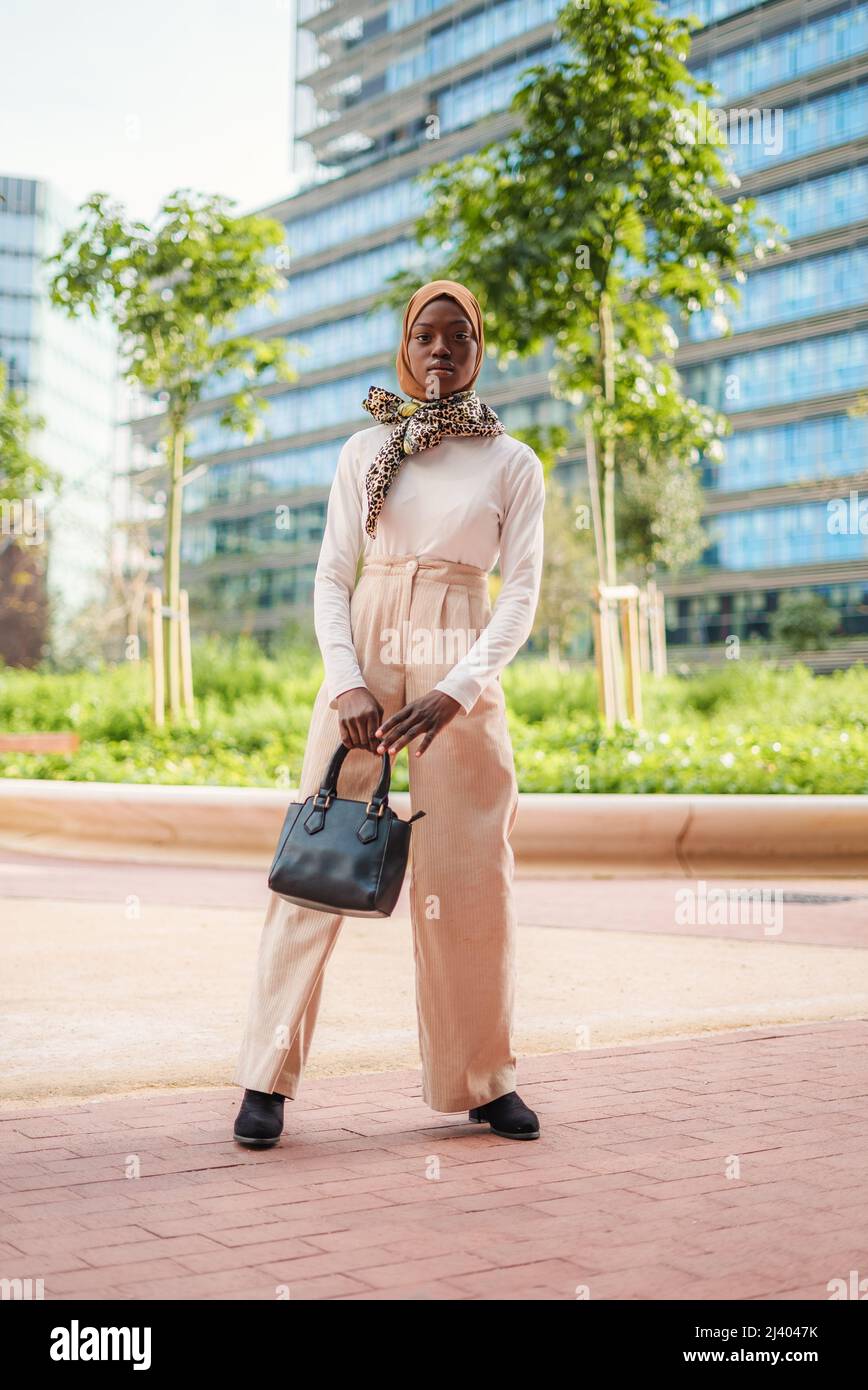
x=360 y=715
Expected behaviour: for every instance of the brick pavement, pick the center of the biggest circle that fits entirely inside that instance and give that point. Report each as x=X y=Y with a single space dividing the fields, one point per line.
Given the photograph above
x=733 y=1166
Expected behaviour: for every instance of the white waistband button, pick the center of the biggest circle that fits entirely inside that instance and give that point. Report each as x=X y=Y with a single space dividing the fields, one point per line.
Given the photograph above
x=412 y=565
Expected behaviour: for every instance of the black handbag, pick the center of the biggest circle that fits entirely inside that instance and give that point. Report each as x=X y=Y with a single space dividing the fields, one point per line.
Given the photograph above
x=341 y=856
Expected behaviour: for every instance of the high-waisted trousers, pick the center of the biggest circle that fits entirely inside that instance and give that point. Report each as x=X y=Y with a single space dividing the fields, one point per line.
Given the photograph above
x=404 y=614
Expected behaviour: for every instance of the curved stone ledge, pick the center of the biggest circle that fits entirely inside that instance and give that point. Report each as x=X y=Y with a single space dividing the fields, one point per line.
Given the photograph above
x=561 y=835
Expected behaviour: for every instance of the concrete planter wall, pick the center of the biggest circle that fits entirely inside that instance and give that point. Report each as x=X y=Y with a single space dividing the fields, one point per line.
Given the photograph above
x=586 y=835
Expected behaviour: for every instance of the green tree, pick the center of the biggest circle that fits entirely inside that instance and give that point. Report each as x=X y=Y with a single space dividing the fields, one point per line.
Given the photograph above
x=175 y=291
x=23 y=478
x=22 y=473
x=569 y=571
x=568 y=562
x=804 y=622
x=659 y=513
x=593 y=225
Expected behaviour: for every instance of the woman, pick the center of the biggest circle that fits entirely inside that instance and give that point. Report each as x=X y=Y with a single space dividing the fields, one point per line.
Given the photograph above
x=431 y=495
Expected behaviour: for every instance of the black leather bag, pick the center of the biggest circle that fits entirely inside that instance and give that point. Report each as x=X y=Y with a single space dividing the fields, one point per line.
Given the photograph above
x=341 y=856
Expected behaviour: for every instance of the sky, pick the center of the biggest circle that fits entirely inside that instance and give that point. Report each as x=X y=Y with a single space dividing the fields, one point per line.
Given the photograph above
x=137 y=99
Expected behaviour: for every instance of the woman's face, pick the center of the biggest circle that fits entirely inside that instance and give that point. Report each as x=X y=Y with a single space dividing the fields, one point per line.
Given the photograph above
x=442 y=348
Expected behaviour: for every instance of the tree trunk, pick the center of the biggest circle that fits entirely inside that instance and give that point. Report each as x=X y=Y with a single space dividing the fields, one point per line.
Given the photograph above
x=607 y=362
x=172 y=567
x=596 y=504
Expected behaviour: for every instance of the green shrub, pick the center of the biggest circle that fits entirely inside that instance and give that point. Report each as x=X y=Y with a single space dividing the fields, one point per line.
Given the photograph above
x=746 y=727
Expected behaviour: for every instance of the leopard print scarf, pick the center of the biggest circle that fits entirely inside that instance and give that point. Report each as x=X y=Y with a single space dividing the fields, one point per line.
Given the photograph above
x=421 y=425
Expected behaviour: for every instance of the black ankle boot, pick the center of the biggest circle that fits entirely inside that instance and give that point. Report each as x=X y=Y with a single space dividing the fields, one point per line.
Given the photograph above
x=508 y=1116
x=259 y=1122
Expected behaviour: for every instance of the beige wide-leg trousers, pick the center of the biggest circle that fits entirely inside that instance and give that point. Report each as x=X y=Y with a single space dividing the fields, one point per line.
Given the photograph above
x=461 y=861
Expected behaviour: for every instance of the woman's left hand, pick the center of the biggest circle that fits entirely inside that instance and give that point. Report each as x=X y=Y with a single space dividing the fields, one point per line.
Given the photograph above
x=427 y=715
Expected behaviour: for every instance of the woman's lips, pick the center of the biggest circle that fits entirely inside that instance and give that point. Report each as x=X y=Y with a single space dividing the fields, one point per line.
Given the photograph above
x=440 y=367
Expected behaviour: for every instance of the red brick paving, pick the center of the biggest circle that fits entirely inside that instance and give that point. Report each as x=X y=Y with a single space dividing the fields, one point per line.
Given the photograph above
x=373 y=1196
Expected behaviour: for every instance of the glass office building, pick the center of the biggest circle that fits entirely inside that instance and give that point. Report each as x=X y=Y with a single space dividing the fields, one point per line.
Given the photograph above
x=68 y=371
x=797 y=359
x=384 y=89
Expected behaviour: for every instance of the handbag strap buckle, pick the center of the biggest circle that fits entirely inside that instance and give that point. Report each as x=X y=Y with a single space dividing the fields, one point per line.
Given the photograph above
x=322 y=806
x=369 y=809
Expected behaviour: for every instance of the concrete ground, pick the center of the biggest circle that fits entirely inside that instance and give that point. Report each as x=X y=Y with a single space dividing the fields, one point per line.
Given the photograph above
x=121 y=978
x=701 y=1081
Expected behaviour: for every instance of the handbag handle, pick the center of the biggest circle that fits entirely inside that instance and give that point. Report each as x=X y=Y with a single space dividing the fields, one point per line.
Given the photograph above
x=329 y=788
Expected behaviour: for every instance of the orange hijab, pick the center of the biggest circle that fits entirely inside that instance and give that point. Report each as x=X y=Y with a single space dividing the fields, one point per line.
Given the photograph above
x=433 y=290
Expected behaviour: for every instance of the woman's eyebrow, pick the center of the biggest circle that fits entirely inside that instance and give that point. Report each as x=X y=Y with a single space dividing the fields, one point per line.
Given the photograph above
x=423 y=323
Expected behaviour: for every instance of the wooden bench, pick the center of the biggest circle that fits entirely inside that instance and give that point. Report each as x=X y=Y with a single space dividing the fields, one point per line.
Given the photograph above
x=39 y=743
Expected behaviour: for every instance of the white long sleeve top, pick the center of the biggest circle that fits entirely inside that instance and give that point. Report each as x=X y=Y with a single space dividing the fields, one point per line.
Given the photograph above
x=469 y=499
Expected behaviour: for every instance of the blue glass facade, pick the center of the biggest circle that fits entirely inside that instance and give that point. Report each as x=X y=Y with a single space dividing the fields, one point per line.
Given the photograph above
x=68 y=371
x=355 y=216
x=442 y=49
x=827 y=446
x=787 y=536
x=267 y=475
x=797 y=371
x=819 y=204
x=789 y=389
x=795 y=290
x=809 y=45
x=709 y=11
x=467 y=37
x=311 y=291
x=805 y=127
